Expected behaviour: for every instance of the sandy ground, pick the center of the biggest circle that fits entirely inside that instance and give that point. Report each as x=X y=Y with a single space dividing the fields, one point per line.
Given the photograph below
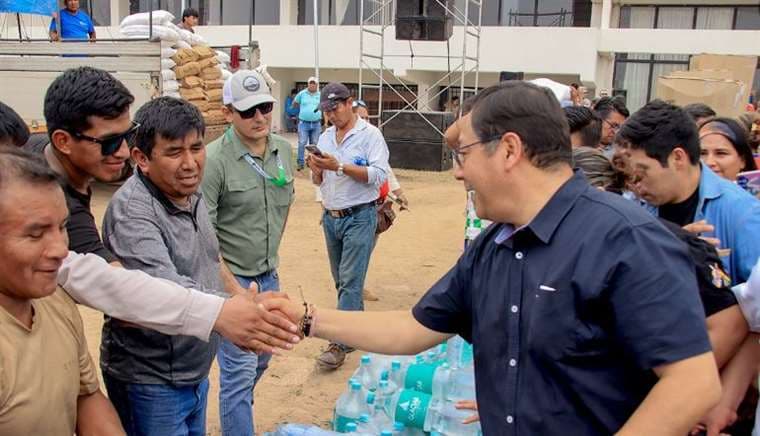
x=421 y=246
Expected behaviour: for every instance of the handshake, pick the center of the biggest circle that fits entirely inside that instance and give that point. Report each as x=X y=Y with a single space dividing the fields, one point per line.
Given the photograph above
x=265 y=322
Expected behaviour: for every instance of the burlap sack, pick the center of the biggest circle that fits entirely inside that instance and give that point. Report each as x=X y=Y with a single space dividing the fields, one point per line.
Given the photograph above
x=213 y=117
x=213 y=84
x=190 y=69
x=202 y=104
x=191 y=82
x=215 y=105
x=214 y=94
x=192 y=93
x=204 y=52
x=208 y=62
x=184 y=56
x=211 y=73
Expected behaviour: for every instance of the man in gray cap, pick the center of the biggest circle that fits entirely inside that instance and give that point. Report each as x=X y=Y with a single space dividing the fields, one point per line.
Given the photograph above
x=248 y=188
x=350 y=167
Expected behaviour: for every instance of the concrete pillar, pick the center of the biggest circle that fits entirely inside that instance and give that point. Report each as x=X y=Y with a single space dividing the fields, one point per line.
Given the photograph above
x=606 y=13
x=288 y=12
x=119 y=10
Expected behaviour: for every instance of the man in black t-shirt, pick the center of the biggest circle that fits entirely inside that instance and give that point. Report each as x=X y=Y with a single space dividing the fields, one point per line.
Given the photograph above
x=87 y=114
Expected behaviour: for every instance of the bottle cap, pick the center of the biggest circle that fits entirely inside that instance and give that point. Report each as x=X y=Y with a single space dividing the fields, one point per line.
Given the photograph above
x=365 y=359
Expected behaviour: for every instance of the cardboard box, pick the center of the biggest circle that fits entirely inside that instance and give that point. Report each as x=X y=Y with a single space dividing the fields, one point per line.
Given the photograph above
x=704 y=74
x=742 y=68
x=726 y=97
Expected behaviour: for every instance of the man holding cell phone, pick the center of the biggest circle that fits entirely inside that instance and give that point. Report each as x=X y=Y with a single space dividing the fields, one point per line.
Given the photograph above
x=248 y=188
x=349 y=192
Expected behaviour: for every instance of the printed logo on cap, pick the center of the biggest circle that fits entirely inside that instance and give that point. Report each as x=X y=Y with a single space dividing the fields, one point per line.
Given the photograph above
x=251 y=84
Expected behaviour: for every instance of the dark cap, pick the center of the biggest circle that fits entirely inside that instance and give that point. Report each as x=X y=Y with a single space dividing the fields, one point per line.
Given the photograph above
x=331 y=94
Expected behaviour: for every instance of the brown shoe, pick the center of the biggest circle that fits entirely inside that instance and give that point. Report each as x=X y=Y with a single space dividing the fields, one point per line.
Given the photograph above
x=369 y=295
x=333 y=358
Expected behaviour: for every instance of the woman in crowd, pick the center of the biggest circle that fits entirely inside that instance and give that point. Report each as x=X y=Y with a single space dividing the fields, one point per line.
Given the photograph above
x=724 y=147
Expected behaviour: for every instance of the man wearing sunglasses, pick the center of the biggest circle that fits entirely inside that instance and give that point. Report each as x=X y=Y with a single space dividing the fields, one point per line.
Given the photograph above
x=248 y=188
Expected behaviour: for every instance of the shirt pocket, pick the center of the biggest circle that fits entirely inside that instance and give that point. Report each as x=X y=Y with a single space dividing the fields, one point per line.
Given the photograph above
x=244 y=194
x=283 y=195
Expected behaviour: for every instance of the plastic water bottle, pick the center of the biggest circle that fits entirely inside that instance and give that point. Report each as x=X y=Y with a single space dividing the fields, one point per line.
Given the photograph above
x=410 y=408
x=349 y=408
x=300 y=430
x=364 y=374
x=351 y=427
x=461 y=385
x=365 y=425
x=386 y=433
x=396 y=375
x=448 y=421
x=423 y=377
x=458 y=352
x=378 y=417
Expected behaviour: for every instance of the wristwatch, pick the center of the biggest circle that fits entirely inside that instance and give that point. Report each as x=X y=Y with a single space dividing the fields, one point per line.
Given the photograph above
x=340 y=169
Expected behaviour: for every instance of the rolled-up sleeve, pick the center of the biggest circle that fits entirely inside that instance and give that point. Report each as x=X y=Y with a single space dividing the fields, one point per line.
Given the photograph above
x=377 y=156
x=136 y=297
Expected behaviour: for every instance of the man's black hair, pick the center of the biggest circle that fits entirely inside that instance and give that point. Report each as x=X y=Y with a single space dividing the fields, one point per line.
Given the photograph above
x=530 y=111
x=190 y=12
x=659 y=128
x=606 y=105
x=168 y=117
x=13 y=130
x=699 y=110
x=83 y=92
x=586 y=122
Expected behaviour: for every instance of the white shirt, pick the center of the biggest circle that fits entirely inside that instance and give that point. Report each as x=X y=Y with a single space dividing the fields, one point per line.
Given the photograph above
x=364 y=141
x=136 y=297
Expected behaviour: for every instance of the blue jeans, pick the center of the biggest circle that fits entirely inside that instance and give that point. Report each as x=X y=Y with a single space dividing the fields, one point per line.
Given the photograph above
x=239 y=371
x=159 y=410
x=308 y=132
x=349 y=245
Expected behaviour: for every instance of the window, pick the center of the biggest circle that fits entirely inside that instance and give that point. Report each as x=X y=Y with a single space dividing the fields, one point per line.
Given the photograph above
x=546 y=13
x=99 y=11
x=216 y=12
x=342 y=12
x=725 y=17
x=636 y=75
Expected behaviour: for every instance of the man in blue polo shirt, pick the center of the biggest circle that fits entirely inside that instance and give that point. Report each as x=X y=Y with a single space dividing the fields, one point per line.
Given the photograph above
x=309 y=118
x=582 y=308
x=661 y=144
x=75 y=24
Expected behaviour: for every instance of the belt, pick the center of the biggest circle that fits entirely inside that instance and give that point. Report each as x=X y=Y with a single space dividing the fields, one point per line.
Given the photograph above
x=342 y=213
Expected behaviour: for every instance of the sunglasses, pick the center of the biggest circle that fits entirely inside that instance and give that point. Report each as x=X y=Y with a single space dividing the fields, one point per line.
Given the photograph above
x=110 y=144
x=359 y=103
x=264 y=108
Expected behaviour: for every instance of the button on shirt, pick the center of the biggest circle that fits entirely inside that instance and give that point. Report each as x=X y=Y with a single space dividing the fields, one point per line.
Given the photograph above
x=307 y=103
x=247 y=211
x=569 y=314
x=75 y=26
x=364 y=142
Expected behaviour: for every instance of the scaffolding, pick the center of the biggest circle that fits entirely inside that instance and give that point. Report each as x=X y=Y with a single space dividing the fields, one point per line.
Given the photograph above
x=376 y=16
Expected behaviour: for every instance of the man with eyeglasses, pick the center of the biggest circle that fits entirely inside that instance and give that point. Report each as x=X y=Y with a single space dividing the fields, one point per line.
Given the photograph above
x=613 y=113
x=350 y=168
x=248 y=188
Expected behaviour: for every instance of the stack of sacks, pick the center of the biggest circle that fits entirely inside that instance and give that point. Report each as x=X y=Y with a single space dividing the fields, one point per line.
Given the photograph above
x=211 y=75
x=190 y=84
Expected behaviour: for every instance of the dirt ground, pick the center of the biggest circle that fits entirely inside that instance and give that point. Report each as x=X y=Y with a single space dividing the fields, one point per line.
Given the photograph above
x=421 y=246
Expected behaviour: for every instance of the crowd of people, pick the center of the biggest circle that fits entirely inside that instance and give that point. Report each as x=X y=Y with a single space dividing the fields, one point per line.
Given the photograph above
x=616 y=290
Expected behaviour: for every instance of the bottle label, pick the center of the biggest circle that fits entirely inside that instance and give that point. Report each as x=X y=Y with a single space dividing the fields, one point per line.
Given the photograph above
x=412 y=408
x=341 y=422
x=420 y=377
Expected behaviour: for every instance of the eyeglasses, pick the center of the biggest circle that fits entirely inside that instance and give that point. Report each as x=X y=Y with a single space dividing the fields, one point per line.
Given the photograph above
x=110 y=144
x=456 y=154
x=613 y=126
x=264 y=108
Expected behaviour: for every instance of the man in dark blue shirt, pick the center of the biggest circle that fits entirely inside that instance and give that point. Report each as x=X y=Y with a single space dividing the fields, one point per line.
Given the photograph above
x=582 y=309
x=75 y=23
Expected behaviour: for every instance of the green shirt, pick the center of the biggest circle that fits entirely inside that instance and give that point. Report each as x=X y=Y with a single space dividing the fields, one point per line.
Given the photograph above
x=247 y=210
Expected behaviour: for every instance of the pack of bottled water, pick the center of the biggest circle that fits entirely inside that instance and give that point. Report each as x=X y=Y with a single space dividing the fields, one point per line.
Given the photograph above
x=410 y=395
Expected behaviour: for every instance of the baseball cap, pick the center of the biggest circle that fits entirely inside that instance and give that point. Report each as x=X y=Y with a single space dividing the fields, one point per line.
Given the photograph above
x=331 y=94
x=246 y=89
x=313 y=79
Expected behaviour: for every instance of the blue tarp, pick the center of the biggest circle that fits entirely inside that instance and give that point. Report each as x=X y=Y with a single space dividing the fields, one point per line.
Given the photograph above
x=38 y=7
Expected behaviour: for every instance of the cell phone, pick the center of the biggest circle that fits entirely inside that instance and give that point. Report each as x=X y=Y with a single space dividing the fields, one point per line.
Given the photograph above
x=314 y=150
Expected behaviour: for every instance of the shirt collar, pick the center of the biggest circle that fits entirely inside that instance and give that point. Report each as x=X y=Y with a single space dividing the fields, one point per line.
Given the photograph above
x=547 y=221
x=709 y=183
x=358 y=127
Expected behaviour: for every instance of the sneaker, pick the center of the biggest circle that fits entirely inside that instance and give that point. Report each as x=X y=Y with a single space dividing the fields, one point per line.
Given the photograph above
x=332 y=358
x=369 y=295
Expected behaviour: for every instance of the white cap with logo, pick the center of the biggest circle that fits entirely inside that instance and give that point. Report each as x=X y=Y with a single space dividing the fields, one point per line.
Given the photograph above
x=313 y=79
x=246 y=89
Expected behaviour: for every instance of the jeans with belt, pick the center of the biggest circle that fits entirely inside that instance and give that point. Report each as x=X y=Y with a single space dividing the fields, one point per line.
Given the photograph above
x=159 y=410
x=308 y=132
x=240 y=370
x=349 y=245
